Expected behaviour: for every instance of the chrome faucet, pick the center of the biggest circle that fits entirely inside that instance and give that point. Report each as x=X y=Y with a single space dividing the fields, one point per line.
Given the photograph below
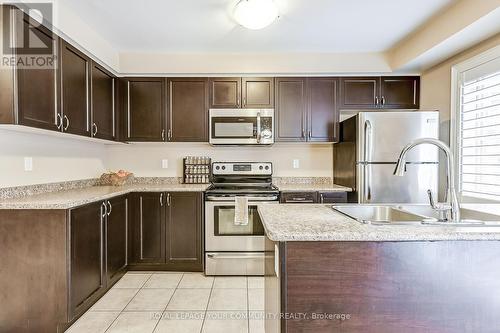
x=449 y=211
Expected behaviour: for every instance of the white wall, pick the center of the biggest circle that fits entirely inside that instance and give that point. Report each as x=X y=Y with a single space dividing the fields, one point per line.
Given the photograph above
x=54 y=159
x=145 y=159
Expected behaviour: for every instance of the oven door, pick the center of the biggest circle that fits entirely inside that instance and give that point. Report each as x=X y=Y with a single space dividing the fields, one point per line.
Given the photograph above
x=221 y=234
x=241 y=127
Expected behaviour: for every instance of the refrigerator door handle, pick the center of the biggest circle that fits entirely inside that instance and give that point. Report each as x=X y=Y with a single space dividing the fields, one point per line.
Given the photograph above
x=368 y=141
x=367 y=180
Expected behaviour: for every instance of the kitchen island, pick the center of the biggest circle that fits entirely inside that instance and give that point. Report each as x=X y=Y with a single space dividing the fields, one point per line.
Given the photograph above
x=326 y=272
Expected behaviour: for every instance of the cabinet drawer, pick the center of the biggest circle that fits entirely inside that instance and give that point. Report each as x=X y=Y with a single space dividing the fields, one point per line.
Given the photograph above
x=299 y=197
x=332 y=197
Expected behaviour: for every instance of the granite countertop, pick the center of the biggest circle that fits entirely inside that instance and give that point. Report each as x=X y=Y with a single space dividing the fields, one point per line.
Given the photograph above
x=313 y=187
x=314 y=222
x=77 y=197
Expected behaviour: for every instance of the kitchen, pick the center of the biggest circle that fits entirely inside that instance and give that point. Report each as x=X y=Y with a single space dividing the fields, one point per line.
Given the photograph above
x=263 y=184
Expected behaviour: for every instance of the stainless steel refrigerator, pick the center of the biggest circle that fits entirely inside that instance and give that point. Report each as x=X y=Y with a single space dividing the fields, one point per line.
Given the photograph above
x=369 y=147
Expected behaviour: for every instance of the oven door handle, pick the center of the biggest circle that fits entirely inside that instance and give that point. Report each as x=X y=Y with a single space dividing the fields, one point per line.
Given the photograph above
x=273 y=198
x=229 y=256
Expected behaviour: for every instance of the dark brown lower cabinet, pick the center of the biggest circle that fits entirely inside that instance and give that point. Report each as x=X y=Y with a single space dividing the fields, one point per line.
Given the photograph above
x=116 y=238
x=382 y=287
x=56 y=263
x=166 y=231
x=313 y=197
x=86 y=262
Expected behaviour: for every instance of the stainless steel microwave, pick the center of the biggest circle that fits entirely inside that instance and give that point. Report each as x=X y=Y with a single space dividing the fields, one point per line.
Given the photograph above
x=241 y=126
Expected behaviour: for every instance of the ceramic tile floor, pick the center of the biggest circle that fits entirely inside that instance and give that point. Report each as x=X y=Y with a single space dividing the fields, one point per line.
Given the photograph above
x=168 y=302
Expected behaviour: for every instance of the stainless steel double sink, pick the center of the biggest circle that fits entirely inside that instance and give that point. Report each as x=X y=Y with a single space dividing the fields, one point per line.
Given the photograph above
x=413 y=215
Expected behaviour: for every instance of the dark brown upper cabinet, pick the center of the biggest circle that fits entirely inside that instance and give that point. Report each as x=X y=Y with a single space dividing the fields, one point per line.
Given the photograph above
x=236 y=92
x=400 y=92
x=145 y=110
x=360 y=92
x=37 y=90
x=188 y=109
x=386 y=92
x=225 y=92
x=290 y=109
x=323 y=115
x=103 y=115
x=75 y=87
x=257 y=92
x=306 y=109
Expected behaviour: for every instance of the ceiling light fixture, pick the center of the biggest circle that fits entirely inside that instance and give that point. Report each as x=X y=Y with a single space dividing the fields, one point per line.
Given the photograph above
x=255 y=14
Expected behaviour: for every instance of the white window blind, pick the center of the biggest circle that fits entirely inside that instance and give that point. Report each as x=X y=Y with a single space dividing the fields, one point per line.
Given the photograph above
x=479 y=131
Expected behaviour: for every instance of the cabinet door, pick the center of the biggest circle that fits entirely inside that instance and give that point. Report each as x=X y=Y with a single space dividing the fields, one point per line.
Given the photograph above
x=188 y=109
x=258 y=92
x=290 y=109
x=400 y=92
x=332 y=197
x=103 y=103
x=184 y=231
x=299 y=197
x=86 y=261
x=147 y=216
x=323 y=116
x=359 y=92
x=75 y=90
x=116 y=237
x=225 y=92
x=145 y=109
x=38 y=89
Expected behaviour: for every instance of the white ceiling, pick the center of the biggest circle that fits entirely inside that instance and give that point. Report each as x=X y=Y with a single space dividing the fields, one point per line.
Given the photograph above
x=199 y=26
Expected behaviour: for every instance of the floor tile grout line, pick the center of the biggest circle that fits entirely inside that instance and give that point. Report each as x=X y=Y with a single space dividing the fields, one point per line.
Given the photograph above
x=166 y=306
x=206 y=308
x=107 y=329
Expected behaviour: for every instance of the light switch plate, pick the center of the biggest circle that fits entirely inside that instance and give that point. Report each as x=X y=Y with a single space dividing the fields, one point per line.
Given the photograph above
x=296 y=164
x=164 y=164
x=28 y=164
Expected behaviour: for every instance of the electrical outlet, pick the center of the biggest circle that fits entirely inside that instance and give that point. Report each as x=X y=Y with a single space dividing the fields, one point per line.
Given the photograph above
x=296 y=164
x=28 y=164
x=164 y=164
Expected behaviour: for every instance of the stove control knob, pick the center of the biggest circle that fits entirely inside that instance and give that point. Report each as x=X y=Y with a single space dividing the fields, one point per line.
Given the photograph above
x=260 y=167
x=223 y=167
x=217 y=167
x=267 y=167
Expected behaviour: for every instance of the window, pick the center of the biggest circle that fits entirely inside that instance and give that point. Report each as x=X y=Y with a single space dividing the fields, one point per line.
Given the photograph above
x=477 y=128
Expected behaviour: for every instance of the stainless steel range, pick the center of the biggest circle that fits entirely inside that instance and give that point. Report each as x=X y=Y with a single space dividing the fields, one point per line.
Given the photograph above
x=232 y=248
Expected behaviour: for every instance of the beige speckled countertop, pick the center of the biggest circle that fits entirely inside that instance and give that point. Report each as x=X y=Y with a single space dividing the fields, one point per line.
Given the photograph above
x=313 y=187
x=313 y=222
x=77 y=197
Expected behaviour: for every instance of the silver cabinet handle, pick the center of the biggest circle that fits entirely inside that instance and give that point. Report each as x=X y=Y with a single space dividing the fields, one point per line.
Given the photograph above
x=59 y=121
x=310 y=134
x=321 y=198
x=303 y=133
x=104 y=209
x=244 y=101
x=67 y=122
x=382 y=100
x=94 y=129
x=376 y=100
x=169 y=134
x=169 y=199
x=163 y=134
x=110 y=207
x=238 y=102
x=161 y=199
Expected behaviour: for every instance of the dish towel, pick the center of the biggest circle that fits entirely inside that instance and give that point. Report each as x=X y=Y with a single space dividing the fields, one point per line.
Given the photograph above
x=240 y=211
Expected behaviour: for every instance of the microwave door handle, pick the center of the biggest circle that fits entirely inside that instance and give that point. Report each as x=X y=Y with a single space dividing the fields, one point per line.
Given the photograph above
x=258 y=128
